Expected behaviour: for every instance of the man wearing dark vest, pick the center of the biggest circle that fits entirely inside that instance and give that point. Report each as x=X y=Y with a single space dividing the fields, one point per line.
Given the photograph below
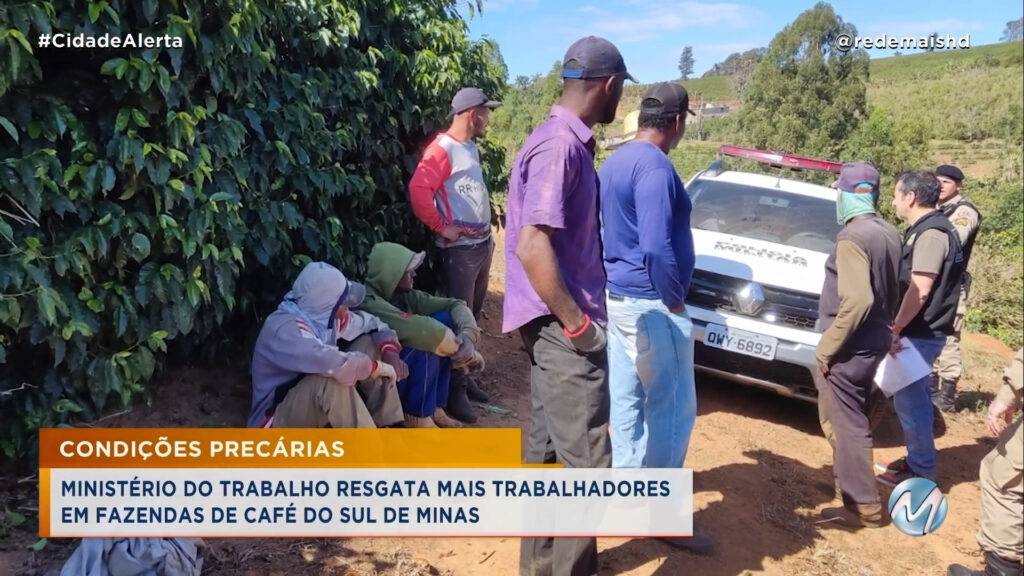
x=966 y=218
x=858 y=302
x=930 y=277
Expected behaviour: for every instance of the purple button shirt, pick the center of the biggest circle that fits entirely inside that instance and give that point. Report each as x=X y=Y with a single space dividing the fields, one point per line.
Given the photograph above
x=554 y=184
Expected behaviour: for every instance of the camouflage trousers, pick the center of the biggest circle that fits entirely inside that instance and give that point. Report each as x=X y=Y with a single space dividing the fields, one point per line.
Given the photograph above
x=949 y=365
x=1002 y=495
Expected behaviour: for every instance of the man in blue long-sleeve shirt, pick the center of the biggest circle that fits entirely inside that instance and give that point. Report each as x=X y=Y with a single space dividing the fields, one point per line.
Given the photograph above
x=649 y=258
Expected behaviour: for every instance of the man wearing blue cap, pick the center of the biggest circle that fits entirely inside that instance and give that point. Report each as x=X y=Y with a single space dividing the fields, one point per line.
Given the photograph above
x=858 y=302
x=554 y=286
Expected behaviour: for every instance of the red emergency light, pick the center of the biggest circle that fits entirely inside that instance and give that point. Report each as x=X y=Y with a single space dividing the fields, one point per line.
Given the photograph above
x=780 y=160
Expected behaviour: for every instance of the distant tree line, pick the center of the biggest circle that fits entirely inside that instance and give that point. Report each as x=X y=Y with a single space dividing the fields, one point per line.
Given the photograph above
x=737 y=62
x=739 y=66
x=1014 y=31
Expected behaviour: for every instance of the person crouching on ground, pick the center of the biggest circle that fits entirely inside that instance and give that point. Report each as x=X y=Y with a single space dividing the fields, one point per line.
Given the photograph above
x=300 y=377
x=438 y=335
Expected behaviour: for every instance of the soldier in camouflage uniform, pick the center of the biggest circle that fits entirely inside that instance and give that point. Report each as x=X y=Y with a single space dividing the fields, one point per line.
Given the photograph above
x=966 y=219
x=1001 y=534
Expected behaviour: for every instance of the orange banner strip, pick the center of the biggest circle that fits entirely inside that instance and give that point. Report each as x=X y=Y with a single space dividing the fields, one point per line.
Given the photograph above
x=44 y=503
x=279 y=448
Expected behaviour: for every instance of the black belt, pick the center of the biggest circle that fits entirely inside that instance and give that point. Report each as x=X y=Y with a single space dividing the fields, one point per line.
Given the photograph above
x=616 y=297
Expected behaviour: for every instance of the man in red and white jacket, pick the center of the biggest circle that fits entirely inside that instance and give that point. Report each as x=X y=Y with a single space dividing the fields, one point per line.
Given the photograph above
x=449 y=195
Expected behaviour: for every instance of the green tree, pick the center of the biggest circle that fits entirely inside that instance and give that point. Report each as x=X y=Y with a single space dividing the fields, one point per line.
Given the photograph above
x=157 y=202
x=686 y=63
x=526 y=104
x=806 y=96
x=1014 y=31
x=737 y=62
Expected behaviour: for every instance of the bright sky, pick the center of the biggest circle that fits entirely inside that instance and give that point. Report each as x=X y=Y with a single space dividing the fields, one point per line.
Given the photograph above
x=533 y=34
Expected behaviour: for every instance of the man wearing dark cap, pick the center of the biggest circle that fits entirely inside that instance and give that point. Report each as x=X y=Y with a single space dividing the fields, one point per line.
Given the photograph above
x=649 y=258
x=449 y=195
x=858 y=302
x=966 y=218
x=554 y=286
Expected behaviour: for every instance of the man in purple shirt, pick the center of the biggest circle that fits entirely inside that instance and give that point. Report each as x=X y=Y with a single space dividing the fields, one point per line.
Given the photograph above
x=554 y=286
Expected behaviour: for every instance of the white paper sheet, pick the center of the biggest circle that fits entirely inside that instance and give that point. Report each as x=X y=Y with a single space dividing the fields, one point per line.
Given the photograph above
x=897 y=372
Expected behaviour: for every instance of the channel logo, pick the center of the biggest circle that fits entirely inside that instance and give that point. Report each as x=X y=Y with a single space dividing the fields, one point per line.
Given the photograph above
x=917 y=507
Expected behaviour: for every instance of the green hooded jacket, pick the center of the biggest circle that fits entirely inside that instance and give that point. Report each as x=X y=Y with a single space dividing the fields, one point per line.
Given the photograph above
x=408 y=314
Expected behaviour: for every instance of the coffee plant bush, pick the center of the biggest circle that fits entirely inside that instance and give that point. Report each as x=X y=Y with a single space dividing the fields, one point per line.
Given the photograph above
x=159 y=201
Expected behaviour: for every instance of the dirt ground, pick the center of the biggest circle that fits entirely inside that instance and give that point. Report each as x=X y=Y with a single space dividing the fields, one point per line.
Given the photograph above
x=762 y=472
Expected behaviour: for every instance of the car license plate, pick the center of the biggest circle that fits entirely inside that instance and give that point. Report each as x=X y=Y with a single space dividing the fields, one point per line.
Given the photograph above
x=740 y=341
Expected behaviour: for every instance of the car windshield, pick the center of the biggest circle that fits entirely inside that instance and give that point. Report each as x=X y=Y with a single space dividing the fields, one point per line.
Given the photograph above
x=765 y=214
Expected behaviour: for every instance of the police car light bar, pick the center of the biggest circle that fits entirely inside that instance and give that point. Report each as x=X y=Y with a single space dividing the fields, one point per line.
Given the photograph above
x=780 y=160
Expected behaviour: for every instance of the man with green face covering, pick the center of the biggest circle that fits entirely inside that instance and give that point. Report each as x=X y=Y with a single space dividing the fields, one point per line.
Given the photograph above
x=859 y=300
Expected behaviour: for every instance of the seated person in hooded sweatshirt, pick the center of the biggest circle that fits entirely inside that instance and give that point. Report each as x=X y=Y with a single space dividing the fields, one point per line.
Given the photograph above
x=438 y=335
x=300 y=376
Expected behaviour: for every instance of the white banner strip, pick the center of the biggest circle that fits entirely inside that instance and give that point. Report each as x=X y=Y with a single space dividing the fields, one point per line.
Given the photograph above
x=450 y=502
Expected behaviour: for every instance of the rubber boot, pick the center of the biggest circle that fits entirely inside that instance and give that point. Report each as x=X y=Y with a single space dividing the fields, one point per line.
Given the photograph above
x=474 y=392
x=458 y=402
x=856 y=516
x=946 y=398
x=943 y=393
x=418 y=422
x=994 y=566
x=698 y=544
x=443 y=421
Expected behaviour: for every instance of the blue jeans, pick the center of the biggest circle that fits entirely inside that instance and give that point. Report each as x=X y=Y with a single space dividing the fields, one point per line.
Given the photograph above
x=917 y=417
x=426 y=388
x=651 y=381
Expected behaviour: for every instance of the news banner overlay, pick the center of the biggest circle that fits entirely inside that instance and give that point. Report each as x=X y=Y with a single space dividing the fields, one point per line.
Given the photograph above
x=340 y=483
x=917 y=507
x=396 y=502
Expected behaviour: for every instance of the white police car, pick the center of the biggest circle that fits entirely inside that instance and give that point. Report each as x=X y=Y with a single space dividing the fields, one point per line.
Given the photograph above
x=761 y=242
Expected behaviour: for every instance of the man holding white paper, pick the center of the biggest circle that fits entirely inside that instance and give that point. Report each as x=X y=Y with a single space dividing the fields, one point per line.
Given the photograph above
x=930 y=277
x=858 y=302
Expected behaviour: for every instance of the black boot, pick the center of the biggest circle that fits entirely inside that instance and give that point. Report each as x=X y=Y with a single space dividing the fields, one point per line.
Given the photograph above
x=938 y=422
x=958 y=570
x=998 y=566
x=994 y=566
x=458 y=403
x=698 y=544
x=945 y=400
x=942 y=392
x=475 y=393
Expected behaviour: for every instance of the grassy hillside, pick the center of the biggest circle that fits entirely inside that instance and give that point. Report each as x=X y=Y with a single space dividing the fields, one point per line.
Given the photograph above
x=714 y=88
x=964 y=96
x=960 y=67
x=940 y=62
x=968 y=103
x=960 y=107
